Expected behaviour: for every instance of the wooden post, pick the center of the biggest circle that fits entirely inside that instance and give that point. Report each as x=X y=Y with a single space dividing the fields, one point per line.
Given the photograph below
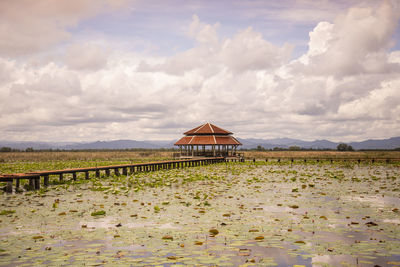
x=97 y=173
x=31 y=184
x=61 y=177
x=132 y=169
x=107 y=172
x=87 y=175
x=17 y=183
x=46 y=180
x=74 y=176
x=9 y=186
x=125 y=171
x=37 y=183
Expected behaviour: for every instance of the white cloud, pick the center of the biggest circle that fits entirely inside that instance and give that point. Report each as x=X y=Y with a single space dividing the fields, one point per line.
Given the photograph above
x=344 y=87
x=86 y=56
x=382 y=103
x=32 y=26
x=247 y=50
x=356 y=43
x=203 y=33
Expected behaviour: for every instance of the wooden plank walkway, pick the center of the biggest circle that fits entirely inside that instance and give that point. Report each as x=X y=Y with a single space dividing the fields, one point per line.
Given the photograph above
x=35 y=177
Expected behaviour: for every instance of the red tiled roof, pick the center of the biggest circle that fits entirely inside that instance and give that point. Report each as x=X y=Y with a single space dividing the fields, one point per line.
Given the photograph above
x=207 y=129
x=207 y=140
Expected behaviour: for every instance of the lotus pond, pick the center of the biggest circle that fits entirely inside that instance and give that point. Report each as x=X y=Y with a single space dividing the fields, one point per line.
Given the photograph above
x=229 y=214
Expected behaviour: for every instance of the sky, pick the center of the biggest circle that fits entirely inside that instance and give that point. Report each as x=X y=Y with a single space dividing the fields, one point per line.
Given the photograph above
x=88 y=70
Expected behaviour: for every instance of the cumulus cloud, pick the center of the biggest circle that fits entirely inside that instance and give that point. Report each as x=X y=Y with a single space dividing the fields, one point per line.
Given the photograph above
x=344 y=87
x=203 y=33
x=27 y=27
x=249 y=51
x=246 y=51
x=356 y=43
x=85 y=56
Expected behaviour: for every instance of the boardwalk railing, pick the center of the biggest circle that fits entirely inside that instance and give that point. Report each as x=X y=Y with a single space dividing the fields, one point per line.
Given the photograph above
x=35 y=177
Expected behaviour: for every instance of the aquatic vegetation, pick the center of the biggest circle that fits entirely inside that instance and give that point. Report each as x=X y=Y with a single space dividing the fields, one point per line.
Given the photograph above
x=98 y=213
x=7 y=212
x=267 y=213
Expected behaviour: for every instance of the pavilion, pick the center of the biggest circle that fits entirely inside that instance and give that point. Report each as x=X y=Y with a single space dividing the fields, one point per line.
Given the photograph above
x=207 y=140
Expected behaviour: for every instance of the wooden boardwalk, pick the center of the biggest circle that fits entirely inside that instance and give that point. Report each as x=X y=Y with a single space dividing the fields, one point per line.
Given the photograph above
x=332 y=159
x=36 y=177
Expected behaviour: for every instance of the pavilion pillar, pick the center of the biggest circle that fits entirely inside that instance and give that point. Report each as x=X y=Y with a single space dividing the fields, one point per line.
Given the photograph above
x=192 y=150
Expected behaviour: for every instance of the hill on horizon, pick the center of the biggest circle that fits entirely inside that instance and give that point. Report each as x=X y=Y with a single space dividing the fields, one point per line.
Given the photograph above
x=249 y=143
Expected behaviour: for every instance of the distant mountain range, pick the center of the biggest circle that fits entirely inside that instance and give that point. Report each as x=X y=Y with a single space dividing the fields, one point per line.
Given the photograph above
x=390 y=143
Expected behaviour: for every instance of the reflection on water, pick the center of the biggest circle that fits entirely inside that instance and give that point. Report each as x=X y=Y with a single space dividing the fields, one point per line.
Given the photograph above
x=111 y=223
x=349 y=260
x=377 y=200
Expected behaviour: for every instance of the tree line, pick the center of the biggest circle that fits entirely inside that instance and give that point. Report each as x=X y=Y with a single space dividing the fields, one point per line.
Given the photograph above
x=340 y=147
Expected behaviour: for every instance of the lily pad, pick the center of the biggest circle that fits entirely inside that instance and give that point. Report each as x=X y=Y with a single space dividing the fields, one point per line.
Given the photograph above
x=98 y=213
